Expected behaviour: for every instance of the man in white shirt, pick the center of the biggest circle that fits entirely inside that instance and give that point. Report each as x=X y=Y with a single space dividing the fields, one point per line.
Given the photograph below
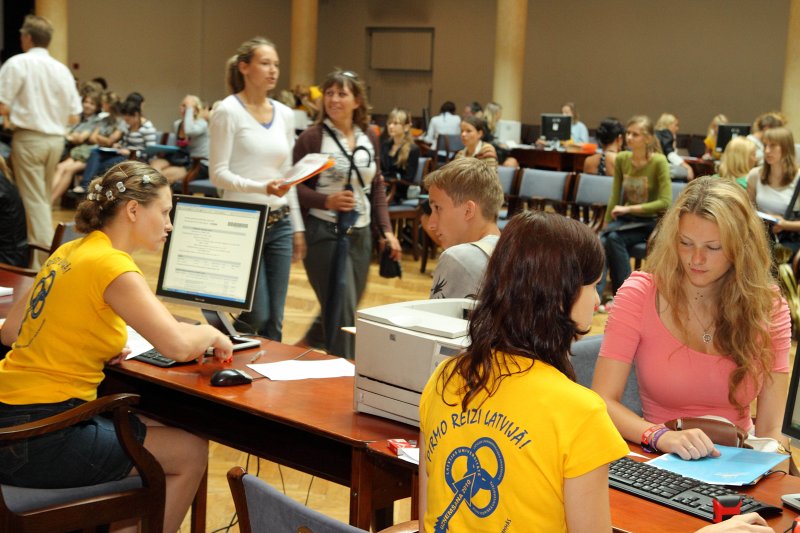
x=39 y=97
x=465 y=197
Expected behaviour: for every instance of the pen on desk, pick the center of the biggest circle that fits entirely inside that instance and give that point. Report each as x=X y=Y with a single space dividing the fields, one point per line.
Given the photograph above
x=302 y=354
x=257 y=356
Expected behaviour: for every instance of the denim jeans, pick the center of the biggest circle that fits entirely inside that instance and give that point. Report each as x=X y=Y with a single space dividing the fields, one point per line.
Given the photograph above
x=97 y=164
x=84 y=454
x=617 y=245
x=266 y=316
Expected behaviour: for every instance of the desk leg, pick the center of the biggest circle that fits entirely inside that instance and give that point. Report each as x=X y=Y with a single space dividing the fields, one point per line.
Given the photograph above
x=360 y=490
x=198 y=520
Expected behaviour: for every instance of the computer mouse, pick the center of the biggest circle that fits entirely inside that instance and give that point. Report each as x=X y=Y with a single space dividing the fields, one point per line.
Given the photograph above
x=230 y=376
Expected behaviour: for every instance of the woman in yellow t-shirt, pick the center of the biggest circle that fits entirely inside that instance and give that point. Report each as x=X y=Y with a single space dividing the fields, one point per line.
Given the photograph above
x=73 y=322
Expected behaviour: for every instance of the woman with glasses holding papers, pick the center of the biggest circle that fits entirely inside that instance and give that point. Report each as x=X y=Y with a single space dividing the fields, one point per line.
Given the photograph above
x=705 y=325
x=73 y=322
x=341 y=202
x=251 y=140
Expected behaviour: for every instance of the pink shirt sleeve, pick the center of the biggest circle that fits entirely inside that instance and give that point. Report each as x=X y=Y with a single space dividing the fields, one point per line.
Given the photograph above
x=624 y=326
x=780 y=332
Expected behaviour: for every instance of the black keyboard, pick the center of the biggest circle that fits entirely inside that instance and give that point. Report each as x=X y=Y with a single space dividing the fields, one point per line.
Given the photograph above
x=680 y=493
x=154 y=357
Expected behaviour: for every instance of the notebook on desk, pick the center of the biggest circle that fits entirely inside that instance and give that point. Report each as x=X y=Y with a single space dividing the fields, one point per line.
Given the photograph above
x=734 y=467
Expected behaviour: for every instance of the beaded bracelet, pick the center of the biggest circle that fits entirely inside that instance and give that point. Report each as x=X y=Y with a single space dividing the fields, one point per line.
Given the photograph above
x=655 y=437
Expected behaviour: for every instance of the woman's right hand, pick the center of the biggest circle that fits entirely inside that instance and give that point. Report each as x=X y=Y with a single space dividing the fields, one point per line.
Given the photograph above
x=223 y=348
x=340 y=201
x=688 y=444
x=750 y=522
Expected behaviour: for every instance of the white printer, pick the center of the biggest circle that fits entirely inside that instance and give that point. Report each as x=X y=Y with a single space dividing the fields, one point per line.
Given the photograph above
x=397 y=348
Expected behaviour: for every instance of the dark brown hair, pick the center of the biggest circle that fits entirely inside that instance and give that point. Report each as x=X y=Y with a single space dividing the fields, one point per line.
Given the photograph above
x=533 y=279
x=351 y=81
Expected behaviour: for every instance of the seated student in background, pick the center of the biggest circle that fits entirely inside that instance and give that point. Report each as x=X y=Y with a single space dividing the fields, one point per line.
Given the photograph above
x=641 y=175
x=465 y=198
x=710 y=141
x=140 y=133
x=79 y=144
x=191 y=134
x=771 y=185
x=13 y=228
x=667 y=134
x=738 y=160
x=399 y=153
x=472 y=131
x=445 y=123
x=491 y=114
x=692 y=359
x=473 y=109
x=761 y=124
x=548 y=470
x=60 y=348
x=579 y=133
x=609 y=135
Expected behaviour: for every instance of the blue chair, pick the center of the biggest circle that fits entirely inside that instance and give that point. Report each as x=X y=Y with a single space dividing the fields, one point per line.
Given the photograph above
x=591 y=199
x=509 y=183
x=263 y=509
x=639 y=250
x=539 y=188
x=584 y=358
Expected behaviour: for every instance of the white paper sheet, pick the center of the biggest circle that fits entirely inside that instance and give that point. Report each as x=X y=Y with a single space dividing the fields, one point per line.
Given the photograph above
x=293 y=370
x=6 y=291
x=409 y=454
x=136 y=343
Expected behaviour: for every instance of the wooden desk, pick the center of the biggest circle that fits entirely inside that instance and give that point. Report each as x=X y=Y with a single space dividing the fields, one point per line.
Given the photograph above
x=634 y=514
x=569 y=161
x=19 y=283
x=309 y=425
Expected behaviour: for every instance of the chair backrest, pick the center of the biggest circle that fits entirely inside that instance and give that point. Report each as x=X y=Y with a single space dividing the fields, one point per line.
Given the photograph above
x=677 y=189
x=593 y=189
x=584 y=357
x=507 y=175
x=422 y=169
x=540 y=187
x=447 y=145
x=263 y=508
x=65 y=232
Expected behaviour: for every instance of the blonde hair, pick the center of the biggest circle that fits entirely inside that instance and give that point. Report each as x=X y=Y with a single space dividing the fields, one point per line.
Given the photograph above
x=491 y=114
x=747 y=292
x=466 y=179
x=402 y=117
x=785 y=140
x=737 y=159
x=39 y=29
x=644 y=122
x=234 y=79
x=129 y=180
x=665 y=121
x=715 y=122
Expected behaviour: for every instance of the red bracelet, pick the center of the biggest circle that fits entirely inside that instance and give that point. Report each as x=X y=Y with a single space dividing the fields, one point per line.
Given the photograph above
x=647 y=437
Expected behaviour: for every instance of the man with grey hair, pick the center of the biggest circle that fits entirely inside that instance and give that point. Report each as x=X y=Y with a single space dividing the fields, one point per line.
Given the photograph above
x=39 y=98
x=465 y=198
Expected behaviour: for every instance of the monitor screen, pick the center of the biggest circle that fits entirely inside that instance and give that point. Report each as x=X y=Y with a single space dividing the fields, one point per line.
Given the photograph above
x=726 y=132
x=791 y=415
x=508 y=131
x=212 y=256
x=556 y=127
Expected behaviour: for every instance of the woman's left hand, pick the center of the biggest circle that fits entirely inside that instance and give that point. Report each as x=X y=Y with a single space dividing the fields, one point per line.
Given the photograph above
x=780 y=225
x=299 y=250
x=620 y=210
x=121 y=356
x=277 y=188
x=394 y=246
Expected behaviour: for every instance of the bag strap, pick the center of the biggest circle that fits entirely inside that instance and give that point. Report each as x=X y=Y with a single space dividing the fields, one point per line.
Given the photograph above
x=349 y=157
x=789 y=215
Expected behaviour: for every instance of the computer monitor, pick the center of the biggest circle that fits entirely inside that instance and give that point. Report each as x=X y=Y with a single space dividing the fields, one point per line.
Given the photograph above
x=726 y=132
x=791 y=414
x=508 y=131
x=556 y=127
x=212 y=256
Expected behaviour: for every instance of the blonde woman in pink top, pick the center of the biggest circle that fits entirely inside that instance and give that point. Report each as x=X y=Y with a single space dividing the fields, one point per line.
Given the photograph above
x=705 y=326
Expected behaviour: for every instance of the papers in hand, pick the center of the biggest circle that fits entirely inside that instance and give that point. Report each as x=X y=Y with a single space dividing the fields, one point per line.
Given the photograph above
x=292 y=369
x=136 y=343
x=309 y=166
x=736 y=466
x=6 y=291
x=767 y=217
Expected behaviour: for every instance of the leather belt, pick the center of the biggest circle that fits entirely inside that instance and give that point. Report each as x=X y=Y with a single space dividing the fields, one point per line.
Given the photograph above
x=277 y=215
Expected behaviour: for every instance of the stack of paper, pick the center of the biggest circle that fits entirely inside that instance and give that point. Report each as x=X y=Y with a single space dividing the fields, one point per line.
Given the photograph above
x=6 y=291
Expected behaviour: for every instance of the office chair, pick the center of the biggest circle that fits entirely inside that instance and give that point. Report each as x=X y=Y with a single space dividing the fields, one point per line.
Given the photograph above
x=584 y=354
x=591 y=200
x=81 y=508
x=263 y=509
x=510 y=184
x=64 y=232
x=192 y=185
x=639 y=250
x=407 y=211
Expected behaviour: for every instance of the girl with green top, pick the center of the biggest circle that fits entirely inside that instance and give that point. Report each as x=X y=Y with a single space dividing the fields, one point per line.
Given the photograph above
x=642 y=176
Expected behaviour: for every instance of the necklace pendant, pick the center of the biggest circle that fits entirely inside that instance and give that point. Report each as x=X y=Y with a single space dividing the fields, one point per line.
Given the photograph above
x=707 y=338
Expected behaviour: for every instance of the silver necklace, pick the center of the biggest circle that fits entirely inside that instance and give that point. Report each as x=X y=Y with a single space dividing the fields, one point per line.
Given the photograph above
x=707 y=336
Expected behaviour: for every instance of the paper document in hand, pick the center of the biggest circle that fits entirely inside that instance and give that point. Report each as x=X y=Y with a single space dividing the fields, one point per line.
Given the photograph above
x=292 y=370
x=136 y=343
x=309 y=166
x=736 y=466
x=6 y=291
